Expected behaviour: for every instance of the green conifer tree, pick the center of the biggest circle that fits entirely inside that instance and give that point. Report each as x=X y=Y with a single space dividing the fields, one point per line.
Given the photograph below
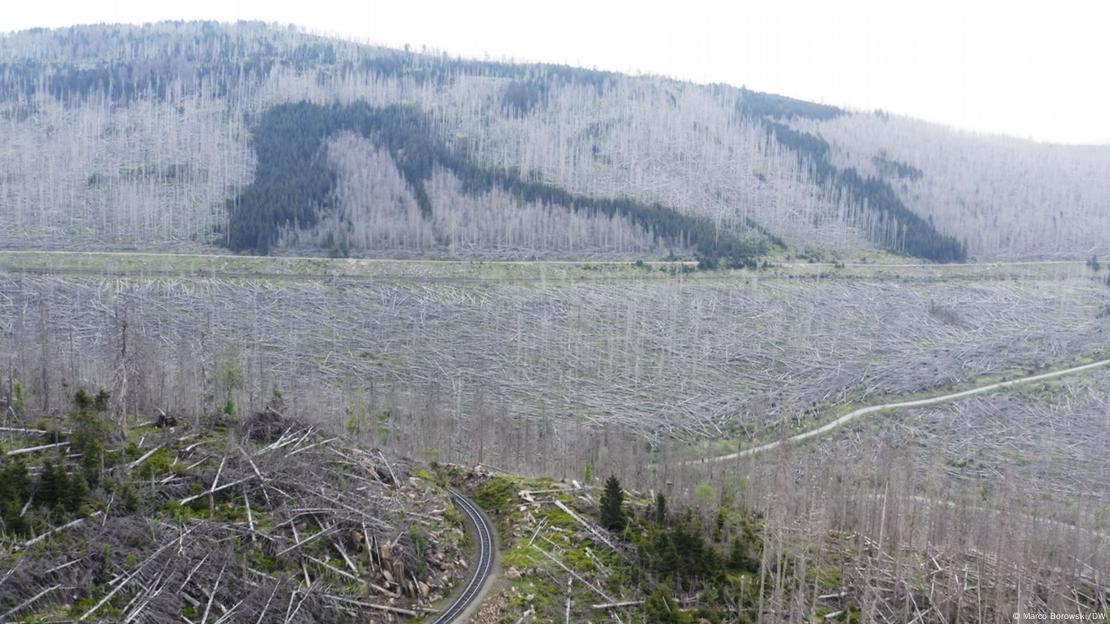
x=660 y=509
x=612 y=506
x=662 y=608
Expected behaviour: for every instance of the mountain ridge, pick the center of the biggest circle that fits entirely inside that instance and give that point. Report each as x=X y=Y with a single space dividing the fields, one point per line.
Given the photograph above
x=161 y=119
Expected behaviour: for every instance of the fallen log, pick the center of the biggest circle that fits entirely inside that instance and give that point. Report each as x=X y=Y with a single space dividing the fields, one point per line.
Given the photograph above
x=617 y=605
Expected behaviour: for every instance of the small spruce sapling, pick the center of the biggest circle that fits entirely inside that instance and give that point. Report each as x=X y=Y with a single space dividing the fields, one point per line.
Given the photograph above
x=612 y=506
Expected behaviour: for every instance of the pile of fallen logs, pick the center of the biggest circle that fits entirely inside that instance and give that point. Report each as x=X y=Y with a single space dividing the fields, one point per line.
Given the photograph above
x=501 y=370
x=267 y=520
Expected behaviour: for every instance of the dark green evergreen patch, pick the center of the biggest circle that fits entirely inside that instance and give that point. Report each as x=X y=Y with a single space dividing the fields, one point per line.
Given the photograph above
x=57 y=494
x=895 y=169
x=916 y=237
x=520 y=97
x=293 y=183
x=769 y=106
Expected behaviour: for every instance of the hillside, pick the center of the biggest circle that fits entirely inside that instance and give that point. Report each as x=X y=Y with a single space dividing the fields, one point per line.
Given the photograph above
x=575 y=370
x=268 y=140
x=218 y=517
x=297 y=329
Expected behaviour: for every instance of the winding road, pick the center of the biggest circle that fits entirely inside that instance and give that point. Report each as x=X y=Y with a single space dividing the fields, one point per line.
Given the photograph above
x=863 y=411
x=480 y=573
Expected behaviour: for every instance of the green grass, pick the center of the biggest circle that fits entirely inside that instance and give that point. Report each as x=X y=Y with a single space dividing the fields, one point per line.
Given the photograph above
x=169 y=265
x=285 y=267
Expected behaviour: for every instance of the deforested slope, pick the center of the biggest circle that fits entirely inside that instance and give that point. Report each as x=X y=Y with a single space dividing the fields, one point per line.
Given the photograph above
x=148 y=137
x=525 y=373
x=294 y=188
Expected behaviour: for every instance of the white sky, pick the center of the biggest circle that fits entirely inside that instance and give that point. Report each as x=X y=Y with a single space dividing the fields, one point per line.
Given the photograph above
x=1030 y=68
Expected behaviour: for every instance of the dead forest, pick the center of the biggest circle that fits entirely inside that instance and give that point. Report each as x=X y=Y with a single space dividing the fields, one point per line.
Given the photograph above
x=630 y=369
x=539 y=277
x=970 y=511
x=522 y=375
x=137 y=137
x=533 y=376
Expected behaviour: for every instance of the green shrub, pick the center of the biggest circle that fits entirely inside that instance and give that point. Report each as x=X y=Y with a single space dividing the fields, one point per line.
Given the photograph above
x=497 y=495
x=157 y=464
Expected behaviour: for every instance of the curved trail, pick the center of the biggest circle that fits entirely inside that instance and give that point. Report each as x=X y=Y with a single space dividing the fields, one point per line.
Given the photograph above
x=456 y=611
x=863 y=411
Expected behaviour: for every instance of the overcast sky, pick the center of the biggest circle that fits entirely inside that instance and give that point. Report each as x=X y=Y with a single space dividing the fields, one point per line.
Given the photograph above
x=1030 y=68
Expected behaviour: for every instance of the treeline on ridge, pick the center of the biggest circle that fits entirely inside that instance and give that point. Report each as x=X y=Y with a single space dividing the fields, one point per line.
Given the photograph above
x=224 y=59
